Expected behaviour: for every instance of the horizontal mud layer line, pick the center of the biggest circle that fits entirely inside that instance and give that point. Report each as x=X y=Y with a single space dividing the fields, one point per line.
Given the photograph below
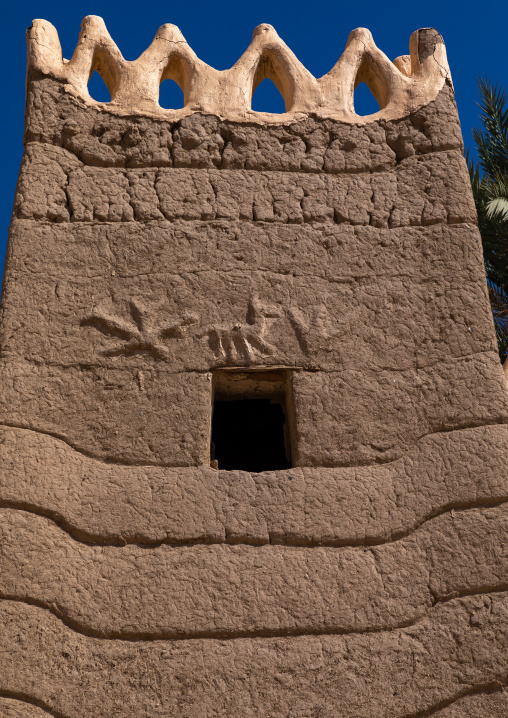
x=421 y=192
x=194 y=591
x=91 y=455
x=165 y=421
x=389 y=165
x=81 y=535
x=437 y=710
x=118 y=505
x=31 y=707
x=489 y=688
x=313 y=145
x=310 y=366
x=459 y=649
x=230 y=636
x=112 y=462
x=314 y=223
x=70 y=161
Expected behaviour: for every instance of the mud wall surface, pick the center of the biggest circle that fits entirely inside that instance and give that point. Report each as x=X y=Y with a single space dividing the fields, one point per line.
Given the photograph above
x=137 y=579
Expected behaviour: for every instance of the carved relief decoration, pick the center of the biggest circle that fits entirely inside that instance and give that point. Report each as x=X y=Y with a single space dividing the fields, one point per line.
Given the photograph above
x=142 y=332
x=234 y=342
x=239 y=343
x=313 y=329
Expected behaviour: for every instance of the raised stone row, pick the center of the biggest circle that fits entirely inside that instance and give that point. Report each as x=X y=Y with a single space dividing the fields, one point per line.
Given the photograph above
x=423 y=190
x=452 y=656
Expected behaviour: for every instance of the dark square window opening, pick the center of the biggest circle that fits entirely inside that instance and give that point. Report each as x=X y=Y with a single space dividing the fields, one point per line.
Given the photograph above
x=250 y=426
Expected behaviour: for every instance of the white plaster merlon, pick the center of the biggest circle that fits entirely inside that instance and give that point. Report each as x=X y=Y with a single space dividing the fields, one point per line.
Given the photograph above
x=400 y=87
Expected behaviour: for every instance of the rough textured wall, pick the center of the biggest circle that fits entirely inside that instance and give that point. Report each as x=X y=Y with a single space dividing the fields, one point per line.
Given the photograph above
x=148 y=250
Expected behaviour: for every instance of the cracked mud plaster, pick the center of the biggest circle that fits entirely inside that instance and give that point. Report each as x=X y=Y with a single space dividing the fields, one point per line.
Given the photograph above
x=362 y=299
x=114 y=505
x=21 y=708
x=424 y=190
x=370 y=579
x=460 y=646
x=312 y=145
x=195 y=591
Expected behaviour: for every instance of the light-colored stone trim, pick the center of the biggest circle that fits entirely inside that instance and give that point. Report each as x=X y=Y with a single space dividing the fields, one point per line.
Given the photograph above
x=401 y=87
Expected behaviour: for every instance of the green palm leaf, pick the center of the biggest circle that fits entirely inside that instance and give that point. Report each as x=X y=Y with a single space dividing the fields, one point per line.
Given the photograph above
x=489 y=181
x=497 y=209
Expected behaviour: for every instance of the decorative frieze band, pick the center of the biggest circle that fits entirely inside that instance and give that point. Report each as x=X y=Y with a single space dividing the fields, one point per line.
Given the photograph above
x=400 y=87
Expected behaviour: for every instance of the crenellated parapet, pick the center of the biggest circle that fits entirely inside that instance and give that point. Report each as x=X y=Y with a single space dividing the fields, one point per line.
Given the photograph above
x=400 y=87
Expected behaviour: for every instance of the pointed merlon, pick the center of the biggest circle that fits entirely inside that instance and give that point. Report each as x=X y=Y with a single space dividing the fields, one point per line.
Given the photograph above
x=400 y=87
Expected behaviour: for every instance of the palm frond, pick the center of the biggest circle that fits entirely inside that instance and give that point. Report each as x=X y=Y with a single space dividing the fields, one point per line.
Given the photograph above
x=499 y=306
x=489 y=181
x=492 y=142
x=497 y=209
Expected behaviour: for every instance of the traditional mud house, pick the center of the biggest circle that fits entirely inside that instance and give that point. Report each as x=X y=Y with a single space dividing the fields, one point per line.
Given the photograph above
x=254 y=424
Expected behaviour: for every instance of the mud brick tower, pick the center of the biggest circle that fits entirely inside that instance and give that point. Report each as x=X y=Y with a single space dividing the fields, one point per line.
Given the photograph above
x=254 y=431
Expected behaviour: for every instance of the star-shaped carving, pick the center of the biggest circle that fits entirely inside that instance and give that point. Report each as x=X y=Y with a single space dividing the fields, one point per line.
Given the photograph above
x=142 y=334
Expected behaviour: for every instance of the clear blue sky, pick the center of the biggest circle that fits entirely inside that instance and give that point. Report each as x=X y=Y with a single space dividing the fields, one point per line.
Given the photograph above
x=475 y=37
